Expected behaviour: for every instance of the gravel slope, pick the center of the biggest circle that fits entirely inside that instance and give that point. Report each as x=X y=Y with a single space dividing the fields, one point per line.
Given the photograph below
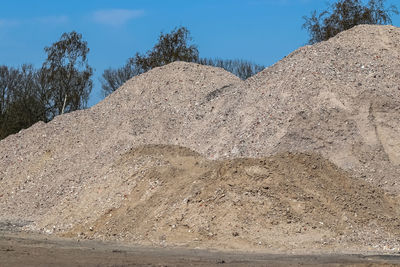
x=339 y=99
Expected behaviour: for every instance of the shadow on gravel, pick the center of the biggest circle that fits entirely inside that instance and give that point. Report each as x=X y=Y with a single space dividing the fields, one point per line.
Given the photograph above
x=12 y=226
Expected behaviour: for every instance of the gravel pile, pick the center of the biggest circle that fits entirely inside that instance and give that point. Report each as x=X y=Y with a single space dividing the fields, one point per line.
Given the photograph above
x=283 y=202
x=339 y=99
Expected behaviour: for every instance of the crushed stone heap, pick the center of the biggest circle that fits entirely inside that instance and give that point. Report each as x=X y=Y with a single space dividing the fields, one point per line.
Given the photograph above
x=286 y=201
x=339 y=99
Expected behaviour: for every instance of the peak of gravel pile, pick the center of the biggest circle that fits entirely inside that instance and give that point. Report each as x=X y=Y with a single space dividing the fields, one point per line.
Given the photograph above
x=49 y=164
x=338 y=98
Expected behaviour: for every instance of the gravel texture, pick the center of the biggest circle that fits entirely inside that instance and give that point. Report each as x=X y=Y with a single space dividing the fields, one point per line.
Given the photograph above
x=339 y=99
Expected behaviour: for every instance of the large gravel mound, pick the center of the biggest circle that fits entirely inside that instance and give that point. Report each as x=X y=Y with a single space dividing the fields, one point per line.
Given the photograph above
x=285 y=201
x=48 y=164
x=339 y=99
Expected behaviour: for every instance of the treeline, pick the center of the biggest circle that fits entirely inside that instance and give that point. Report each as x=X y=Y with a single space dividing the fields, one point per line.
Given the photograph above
x=340 y=16
x=62 y=84
x=345 y=14
x=241 y=68
x=21 y=99
x=170 y=47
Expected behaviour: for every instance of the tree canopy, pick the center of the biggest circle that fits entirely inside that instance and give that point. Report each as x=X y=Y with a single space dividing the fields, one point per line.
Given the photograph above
x=62 y=84
x=345 y=14
x=242 y=68
x=112 y=79
x=67 y=73
x=21 y=103
x=173 y=46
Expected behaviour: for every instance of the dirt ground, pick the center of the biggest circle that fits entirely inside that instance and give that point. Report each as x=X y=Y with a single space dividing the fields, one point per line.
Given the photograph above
x=22 y=249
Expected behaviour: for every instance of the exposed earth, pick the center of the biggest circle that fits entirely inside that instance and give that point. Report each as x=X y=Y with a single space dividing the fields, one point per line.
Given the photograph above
x=35 y=250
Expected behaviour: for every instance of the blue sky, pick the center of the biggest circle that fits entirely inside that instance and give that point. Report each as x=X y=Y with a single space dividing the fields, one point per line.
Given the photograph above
x=262 y=31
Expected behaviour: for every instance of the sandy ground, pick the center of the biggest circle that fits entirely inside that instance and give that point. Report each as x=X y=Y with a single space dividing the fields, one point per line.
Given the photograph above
x=22 y=249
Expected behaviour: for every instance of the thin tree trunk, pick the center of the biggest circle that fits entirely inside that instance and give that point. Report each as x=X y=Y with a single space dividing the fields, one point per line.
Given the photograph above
x=65 y=101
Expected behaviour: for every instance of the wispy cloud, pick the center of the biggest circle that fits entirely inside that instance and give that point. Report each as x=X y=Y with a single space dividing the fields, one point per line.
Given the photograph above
x=116 y=17
x=8 y=22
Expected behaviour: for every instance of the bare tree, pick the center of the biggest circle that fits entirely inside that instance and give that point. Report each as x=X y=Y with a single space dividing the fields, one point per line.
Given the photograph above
x=173 y=46
x=345 y=14
x=21 y=102
x=112 y=79
x=241 y=68
x=67 y=73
